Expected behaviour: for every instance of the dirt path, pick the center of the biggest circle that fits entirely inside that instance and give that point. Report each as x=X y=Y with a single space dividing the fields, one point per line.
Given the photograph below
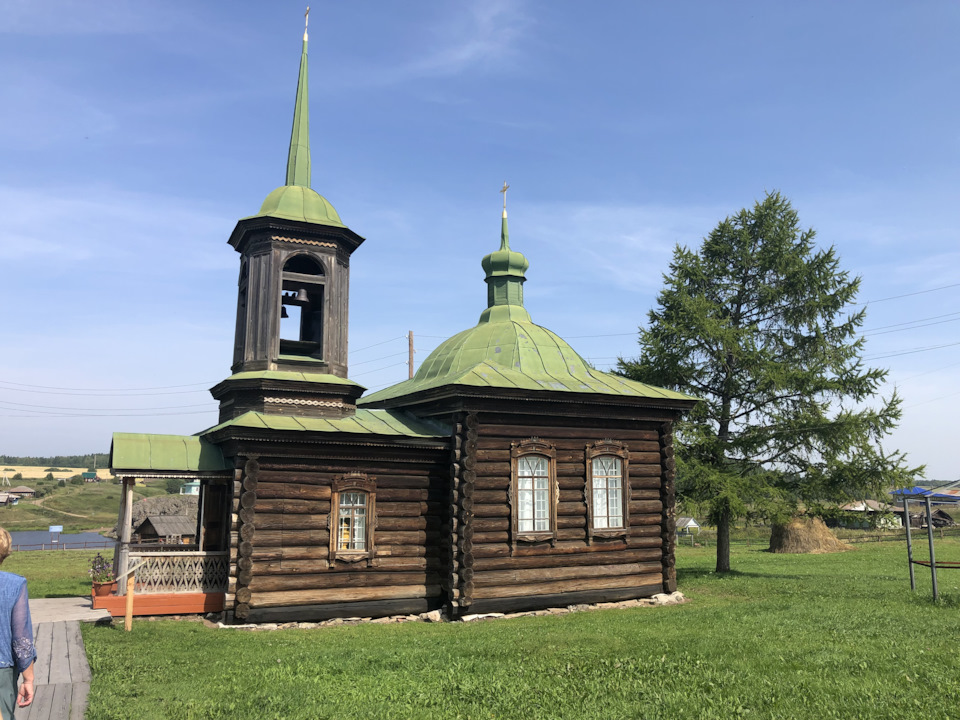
x=39 y=502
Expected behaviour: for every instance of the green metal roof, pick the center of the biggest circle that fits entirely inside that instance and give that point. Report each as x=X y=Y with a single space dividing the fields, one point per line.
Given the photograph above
x=515 y=354
x=298 y=159
x=364 y=422
x=295 y=200
x=138 y=451
x=292 y=375
x=507 y=350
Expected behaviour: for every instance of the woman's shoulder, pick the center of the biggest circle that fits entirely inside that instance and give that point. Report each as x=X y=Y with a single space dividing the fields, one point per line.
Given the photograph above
x=9 y=578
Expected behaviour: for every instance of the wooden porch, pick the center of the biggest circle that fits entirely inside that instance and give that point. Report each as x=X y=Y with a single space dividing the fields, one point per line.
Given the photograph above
x=171 y=583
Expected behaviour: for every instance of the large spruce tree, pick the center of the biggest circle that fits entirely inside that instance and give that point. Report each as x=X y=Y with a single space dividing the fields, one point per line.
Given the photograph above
x=759 y=324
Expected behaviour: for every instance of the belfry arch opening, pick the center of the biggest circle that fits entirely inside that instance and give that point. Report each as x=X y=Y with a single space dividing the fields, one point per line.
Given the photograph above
x=302 y=307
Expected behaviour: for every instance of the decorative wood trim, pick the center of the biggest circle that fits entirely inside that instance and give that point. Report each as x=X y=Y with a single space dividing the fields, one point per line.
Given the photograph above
x=532 y=446
x=301 y=401
x=618 y=449
x=300 y=241
x=345 y=483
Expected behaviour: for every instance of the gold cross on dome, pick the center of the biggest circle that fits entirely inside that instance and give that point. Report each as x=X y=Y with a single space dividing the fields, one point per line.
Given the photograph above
x=504 y=191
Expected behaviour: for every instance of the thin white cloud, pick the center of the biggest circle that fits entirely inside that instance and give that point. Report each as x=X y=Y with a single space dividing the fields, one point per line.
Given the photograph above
x=479 y=36
x=627 y=246
x=484 y=35
x=78 y=17
x=104 y=223
x=47 y=113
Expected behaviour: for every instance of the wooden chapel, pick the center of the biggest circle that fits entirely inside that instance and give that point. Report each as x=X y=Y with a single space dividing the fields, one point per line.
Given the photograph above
x=506 y=474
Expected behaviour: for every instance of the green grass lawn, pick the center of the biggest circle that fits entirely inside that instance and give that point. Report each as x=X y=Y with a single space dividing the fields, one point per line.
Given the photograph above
x=54 y=573
x=784 y=636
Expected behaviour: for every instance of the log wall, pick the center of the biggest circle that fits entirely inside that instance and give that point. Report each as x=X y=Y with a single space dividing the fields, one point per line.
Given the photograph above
x=443 y=536
x=283 y=568
x=507 y=573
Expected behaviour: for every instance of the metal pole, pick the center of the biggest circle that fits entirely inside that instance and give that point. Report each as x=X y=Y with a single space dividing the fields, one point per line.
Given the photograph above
x=906 y=524
x=933 y=557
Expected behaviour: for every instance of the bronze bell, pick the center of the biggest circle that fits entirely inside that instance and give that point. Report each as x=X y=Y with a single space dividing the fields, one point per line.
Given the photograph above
x=283 y=312
x=302 y=297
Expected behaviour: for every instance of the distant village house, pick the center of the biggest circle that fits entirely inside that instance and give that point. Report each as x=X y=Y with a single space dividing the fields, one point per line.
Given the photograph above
x=168 y=529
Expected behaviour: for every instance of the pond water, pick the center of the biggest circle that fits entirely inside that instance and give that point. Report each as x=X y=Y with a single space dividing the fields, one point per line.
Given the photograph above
x=43 y=540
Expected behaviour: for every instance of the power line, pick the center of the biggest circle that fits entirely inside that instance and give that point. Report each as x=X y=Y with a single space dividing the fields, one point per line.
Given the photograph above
x=385 y=367
x=578 y=337
x=56 y=407
x=927 y=372
x=918 y=292
x=38 y=414
x=912 y=351
x=912 y=325
x=101 y=393
x=927 y=402
x=379 y=343
x=95 y=390
x=385 y=357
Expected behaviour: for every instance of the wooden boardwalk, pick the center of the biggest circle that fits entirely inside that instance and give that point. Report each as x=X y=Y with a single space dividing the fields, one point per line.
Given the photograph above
x=62 y=675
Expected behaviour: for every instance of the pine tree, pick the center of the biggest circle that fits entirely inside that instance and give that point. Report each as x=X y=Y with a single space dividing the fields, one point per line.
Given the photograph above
x=756 y=324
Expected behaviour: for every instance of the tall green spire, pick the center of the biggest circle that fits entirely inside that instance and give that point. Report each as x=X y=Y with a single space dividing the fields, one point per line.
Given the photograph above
x=296 y=200
x=505 y=277
x=298 y=161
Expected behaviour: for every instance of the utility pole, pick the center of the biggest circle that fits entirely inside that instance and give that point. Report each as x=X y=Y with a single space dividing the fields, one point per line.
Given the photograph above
x=410 y=354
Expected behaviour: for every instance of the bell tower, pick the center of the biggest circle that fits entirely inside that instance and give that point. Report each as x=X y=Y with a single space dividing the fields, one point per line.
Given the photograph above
x=294 y=286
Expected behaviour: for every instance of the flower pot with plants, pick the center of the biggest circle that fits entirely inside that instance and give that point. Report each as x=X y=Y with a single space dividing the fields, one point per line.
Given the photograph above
x=101 y=575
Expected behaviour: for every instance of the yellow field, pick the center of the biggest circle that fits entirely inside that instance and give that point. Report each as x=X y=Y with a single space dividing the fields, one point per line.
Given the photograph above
x=35 y=472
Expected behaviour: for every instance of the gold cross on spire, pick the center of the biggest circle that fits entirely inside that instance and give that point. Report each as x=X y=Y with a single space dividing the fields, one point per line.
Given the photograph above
x=504 y=191
x=306 y=23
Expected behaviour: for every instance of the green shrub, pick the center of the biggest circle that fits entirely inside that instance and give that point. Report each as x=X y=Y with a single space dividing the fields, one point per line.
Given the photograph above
x=18 y=476
x=174 y=486
x=76 y=480
x=61 y=483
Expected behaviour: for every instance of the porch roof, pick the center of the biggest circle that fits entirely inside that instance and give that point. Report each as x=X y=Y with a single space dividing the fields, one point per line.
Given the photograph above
x=164 y=453
x=364 y=422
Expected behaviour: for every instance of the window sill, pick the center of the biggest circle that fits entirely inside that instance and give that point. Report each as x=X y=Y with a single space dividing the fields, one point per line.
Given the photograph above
x=609 y=533
x=531 y=537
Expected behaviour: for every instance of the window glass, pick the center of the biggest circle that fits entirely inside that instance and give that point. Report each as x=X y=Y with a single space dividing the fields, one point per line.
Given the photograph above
x=352 y=523
x=607 y=492
x=533 y=494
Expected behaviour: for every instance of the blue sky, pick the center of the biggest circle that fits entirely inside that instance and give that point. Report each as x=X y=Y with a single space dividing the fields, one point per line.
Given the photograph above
x=135 y=134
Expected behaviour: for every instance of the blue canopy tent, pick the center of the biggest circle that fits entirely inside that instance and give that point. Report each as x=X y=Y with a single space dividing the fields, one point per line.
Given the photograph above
x=928 y=496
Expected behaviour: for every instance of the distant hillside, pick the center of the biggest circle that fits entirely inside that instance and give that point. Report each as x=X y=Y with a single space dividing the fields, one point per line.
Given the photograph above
x=85 y=461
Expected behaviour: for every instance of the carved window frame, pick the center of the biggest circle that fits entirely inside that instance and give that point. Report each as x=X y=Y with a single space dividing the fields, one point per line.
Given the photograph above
x=353 y=482
x=617 y=449
x=533 y=446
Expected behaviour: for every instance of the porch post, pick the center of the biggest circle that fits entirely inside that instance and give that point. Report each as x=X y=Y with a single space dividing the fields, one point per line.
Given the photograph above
x=126 y=519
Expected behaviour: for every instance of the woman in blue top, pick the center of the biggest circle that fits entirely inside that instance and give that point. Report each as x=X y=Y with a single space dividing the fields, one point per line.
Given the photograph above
x=16 y=638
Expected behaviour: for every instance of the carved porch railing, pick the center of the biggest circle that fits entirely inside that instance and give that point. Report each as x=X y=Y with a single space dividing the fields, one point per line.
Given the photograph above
x=181 y=572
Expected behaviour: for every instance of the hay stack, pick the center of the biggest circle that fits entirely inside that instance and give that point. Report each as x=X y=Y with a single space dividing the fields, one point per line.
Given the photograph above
x=805 y=535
